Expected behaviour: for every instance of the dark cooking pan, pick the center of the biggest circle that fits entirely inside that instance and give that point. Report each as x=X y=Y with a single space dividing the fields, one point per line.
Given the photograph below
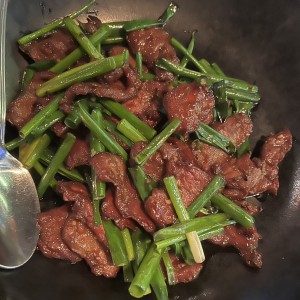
x=257 y=41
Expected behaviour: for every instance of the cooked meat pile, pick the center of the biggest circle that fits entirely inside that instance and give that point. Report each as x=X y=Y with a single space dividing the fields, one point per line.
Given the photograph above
x=68 y=232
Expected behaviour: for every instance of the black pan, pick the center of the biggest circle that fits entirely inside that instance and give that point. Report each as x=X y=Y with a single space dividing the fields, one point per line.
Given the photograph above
x=257 y=41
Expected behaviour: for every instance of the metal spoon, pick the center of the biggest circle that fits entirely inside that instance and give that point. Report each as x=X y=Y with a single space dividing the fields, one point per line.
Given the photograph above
x=19 y=203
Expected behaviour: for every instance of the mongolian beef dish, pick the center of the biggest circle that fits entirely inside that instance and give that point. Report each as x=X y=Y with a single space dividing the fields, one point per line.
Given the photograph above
x=146 y=147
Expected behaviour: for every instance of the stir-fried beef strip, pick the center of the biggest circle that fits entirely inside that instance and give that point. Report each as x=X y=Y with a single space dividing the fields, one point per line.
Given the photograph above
x=154 y=166
x=27 y=104
x=82 y=241
x=60 y=129
x=93 y=23
x=53 y=47
x=258 y=175
x=50 y=241
x=111 y=168
x=110 y=212
x=79 y=154
x=179 y=162
x=153 y=44
x=102 y=90
x=159 y=207
x=191 y=103
x=244 y=240
x=80 y=232
x=183 y=272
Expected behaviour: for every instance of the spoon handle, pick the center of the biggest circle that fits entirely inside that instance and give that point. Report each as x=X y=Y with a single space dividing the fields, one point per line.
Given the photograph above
x=3 y=8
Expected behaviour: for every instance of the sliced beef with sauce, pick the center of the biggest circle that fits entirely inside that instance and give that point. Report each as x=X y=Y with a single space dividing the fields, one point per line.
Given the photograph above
x=27 y=104
x=258 y=175
x=191 y=104
x=110 y=212
x=244 y=240
x=79 y=154
x=53 y=47
x=154 y=166
x=237 y=128
x=159 y=207
x=191 y=180
x=102 y=90
x=153 y=44
x=111 y=168
x=60 y=129
x=50 y=241
x=183 y=272
x=82 y=241
x=179 y=162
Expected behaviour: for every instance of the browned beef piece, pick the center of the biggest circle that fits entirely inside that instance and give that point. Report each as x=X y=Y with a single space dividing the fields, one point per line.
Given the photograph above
x=50 y=241
x=23 y=108
x=79 y=154
x=110 y=212
x=191 y=180
x=244 y=240
x=111 y=168
x=83 y=242
x=102 y=90
x=154 y=166
x=183 y=272
x=191 y=104
x=145 y=106
x=82 y=208
x=252 y=177
x=60 y=129
x=153 y=43
x=92 y=24
x=53 y=47
x=236 y=128
x=71 y=190
x=159 y=207
x=275 y=147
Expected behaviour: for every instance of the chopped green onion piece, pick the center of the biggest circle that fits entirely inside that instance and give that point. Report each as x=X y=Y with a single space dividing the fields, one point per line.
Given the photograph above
x=43 y=65
x=39 y=118
x=192 y=237
x=145 y=272
x=27 y=78
x=128 y=244
x=82 y=73
x=243 y=149
x=233 y=210
x=109 y=143
x=81 y=38
x=217 y=69
x=41 y=170
x=116 y=244
x=212 y=188
x=130 y=131
x=157 y=142
x=14 y=143
x=128 y=272
x=143 y=183
x=190 y=49
x=46 y=158
x=117 y=109
x=184 y=227
x=42 y=143
x=49 y=121
x=209 y=135
x=96 y=38
x=57 y=160
x=169 y=268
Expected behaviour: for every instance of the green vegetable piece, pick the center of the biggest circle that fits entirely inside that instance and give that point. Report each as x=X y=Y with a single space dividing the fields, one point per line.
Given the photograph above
x=208 y=135
x=57 y=160
x=233 y=210
x=157 y=142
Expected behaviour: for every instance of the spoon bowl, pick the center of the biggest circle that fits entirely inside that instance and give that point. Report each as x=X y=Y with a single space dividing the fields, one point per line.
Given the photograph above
x=19 y=203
